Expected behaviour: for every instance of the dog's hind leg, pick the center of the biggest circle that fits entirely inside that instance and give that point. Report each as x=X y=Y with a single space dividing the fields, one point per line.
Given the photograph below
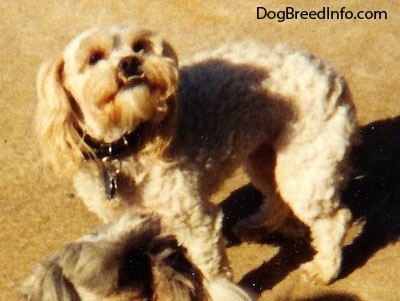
x=273 y=212
x=309 y=176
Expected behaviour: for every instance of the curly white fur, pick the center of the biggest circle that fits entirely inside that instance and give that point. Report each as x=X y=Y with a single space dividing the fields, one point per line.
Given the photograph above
x=284 y=115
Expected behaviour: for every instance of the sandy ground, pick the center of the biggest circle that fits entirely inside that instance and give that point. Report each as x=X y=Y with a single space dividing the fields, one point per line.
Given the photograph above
x=39 y=214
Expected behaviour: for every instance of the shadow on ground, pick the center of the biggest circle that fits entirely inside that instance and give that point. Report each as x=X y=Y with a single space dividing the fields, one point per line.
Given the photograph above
x=373 y=195
x=333 y=297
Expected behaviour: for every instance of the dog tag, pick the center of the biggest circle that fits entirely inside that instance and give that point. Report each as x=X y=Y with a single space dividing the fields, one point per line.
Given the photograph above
x=110 y=179
x=110 y=183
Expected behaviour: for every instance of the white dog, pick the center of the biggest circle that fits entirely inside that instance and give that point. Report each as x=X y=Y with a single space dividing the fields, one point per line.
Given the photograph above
x=135 y=130
x=132 y=258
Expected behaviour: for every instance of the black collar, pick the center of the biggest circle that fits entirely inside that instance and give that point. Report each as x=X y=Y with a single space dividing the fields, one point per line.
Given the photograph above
x=120 y=147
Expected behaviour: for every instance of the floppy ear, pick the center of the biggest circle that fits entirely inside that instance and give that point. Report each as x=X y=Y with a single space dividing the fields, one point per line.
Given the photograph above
x=168 y=51
x=48 y=283
x=54 y=120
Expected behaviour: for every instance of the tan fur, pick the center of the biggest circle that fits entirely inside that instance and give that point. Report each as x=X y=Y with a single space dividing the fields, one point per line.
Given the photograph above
x=284 y=115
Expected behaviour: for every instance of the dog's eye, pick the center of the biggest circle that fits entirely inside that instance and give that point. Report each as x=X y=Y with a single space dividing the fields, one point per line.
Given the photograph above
x=95 y=57
x=139 y=46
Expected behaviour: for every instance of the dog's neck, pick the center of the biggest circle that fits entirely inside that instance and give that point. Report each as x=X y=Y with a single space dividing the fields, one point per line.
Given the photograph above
x=116 y=149
x=108 y=155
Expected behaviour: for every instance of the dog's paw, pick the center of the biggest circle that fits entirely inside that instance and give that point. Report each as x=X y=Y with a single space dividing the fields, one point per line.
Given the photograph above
x=315 y=273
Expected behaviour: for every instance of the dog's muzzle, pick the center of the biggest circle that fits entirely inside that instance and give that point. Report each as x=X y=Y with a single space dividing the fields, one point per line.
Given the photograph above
x=130 y=69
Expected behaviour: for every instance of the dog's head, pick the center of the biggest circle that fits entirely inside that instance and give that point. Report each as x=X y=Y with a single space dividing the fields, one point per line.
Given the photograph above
x=105 y=84
x=127 y=260
x=132 y=258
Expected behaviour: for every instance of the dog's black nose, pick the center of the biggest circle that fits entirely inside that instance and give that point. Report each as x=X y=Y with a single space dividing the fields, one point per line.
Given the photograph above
x=130 y=66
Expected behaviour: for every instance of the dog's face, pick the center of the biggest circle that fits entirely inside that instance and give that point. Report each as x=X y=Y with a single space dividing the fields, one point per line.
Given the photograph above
x=127 y=260
x=119 y=77
x=106 y=83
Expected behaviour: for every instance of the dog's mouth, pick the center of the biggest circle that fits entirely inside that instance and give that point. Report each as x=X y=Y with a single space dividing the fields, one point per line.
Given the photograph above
x=132 y=81
x=130 y=72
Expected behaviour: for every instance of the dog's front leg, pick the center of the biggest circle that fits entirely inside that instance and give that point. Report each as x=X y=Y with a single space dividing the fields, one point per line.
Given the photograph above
x=90 y=187
x=173 y=193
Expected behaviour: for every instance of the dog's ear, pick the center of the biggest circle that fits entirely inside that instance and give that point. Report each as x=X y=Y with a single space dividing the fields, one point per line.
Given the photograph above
x=54 y=120
x=168 y=51
x=48 y=283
